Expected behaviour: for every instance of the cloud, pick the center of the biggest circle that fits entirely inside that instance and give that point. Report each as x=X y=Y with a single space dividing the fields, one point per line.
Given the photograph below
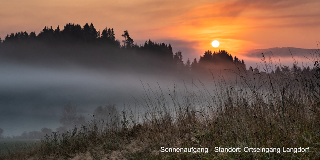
x=284 y=52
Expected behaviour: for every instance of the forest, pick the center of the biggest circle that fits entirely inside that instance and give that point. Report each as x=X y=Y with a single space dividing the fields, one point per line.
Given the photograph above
x=87 y=46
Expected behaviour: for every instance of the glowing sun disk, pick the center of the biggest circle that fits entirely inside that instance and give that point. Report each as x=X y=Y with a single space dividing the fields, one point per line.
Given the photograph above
x=215 y=43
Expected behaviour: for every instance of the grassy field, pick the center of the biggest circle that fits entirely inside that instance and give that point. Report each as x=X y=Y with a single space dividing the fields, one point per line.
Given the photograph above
x=9 y=146
x=262 y=116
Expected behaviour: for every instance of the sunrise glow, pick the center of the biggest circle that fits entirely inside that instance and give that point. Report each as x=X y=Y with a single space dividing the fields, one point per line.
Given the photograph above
x=189 y=26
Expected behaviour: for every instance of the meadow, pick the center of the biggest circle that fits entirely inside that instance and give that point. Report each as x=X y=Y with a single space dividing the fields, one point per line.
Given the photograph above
x=9 y=146
x=266 y=115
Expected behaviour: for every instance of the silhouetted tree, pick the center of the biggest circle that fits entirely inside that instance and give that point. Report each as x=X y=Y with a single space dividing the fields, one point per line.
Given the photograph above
x=215 y=58
x=47 y=34
x=170 y=48
x=239 y=64
x=128 y=42
x=177 y=59
x=222 y=56
x=57 y=31
x=17 y=37
x=236 y=60
x=188 y=64
x=72 y=32
x=194 y=64
x=108 y=34
x=243 y=64
x=32 y=36
x=206 y=58
x=89 y=32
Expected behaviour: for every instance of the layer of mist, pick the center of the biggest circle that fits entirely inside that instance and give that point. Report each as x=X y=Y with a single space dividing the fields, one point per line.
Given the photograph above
x=32 y=97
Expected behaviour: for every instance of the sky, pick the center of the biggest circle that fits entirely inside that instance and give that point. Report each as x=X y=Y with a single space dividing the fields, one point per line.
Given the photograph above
x=189 y=26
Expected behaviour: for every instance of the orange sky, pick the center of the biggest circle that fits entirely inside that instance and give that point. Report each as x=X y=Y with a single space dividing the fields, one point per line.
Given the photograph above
x=190 y=26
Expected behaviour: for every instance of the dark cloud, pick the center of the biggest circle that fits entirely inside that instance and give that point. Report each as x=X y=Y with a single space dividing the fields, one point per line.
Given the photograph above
x=284 y=52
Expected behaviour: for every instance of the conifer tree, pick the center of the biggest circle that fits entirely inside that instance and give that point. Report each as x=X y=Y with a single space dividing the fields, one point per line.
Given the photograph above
x=128 y=42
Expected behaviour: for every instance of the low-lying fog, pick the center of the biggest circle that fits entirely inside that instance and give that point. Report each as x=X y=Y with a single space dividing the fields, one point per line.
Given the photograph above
x=32 y=97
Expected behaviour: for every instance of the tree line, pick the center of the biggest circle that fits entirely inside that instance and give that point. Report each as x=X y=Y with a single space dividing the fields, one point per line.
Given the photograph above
x=151 y=54
x=104 y=49
x=148 y=55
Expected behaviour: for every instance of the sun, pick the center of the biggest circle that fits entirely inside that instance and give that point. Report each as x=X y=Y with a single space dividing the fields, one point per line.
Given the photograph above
x=215 y=43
